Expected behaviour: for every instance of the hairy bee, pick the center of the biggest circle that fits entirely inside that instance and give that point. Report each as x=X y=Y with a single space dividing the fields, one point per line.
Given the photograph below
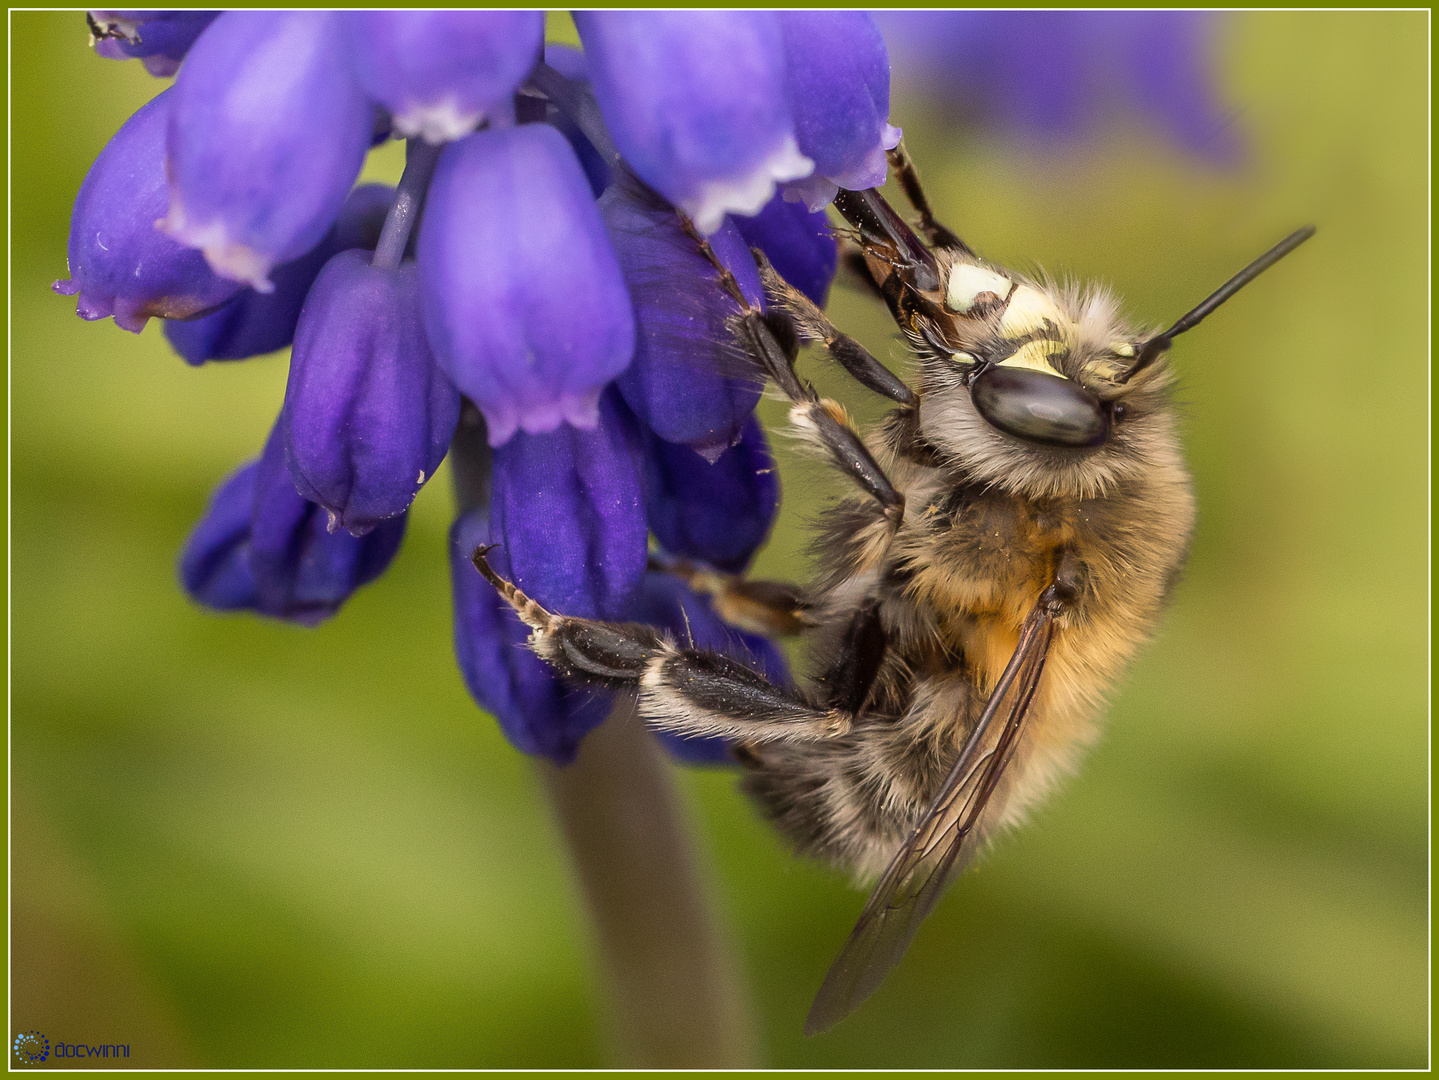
x=1023 y=516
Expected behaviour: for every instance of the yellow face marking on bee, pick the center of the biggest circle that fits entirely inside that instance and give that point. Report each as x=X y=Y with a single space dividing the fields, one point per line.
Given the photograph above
x=1124 y=349
x=1035 y=355
x=968 y=283
x=1028 y=311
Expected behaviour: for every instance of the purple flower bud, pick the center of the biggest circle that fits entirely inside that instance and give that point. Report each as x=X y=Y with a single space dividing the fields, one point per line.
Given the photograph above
x=253 y=323
x=568 y=508
x=538 y=713
x=267 y=133
x=798 y=243
x=838 y=80
x=696 y=102
x=524 y=301
x=686 y=381
x=440 y=73
x=120 y=264
x=720 y=513
x=215 y=565
x=667 y=602
x=261 y=545
x=159 y=38
x=370 y=414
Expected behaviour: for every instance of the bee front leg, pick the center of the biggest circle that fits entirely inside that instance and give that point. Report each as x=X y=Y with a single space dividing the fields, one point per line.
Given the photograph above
x=686 y=691
x=908 y=176
x=813 y=325
x=770 y=340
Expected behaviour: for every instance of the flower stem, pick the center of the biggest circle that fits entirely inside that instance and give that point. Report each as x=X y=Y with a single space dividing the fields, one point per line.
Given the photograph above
x=420 y=158
x=577 y=101
x=675 y=998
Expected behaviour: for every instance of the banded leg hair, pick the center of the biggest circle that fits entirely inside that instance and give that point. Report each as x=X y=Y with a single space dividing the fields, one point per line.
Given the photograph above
x=686 y=691
x=772 y=340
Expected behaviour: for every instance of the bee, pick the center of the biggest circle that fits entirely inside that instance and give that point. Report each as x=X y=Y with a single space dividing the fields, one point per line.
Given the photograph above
x=1022 y=517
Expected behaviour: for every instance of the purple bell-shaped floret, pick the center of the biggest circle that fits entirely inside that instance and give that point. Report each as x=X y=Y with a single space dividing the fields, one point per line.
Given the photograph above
x=688 y=383
x=442 y=73
x=837 y=75
x=717 y=513
x=568 y=508
x=267 y=134
x=120 y=264
x=697 y=104
x=262 y=546
x=369 y=412
x=524 y=301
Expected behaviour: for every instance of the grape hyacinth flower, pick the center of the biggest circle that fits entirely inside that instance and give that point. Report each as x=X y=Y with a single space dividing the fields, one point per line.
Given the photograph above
x=527 y=295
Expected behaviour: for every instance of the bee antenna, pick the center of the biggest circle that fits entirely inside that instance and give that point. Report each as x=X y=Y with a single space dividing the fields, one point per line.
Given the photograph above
x=1151 y=350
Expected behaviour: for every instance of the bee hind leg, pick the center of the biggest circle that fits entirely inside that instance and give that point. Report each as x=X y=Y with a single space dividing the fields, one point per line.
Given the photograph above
x=685 y=691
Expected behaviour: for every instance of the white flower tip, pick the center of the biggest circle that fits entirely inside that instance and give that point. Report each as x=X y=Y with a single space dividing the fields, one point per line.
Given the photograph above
x=816 y=192
x=580 y=410
x=501 y=422
x=889 y=136
x=437 y=121
x=711 y=452
x=747 y=194
x=229 y=259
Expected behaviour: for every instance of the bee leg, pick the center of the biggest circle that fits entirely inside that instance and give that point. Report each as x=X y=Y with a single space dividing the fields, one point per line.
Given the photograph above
x=770 y=339
x=908 y=176
x=767 y=608
x=850 y=675
x=812 y=325
x=686 y=691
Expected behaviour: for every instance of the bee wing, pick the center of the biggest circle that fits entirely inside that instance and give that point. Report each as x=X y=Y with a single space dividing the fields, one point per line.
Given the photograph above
x=941 y=845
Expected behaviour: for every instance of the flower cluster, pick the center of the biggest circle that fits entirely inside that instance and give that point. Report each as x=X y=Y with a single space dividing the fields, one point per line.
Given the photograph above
x=526 y=299
x=526 y=293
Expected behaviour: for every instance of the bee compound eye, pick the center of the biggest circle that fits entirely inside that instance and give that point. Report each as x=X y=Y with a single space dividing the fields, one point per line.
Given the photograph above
x=1039 y=408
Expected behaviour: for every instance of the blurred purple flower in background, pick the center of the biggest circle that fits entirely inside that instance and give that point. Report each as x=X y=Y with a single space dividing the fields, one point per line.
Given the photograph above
x=524 y=294
x=1045 y=74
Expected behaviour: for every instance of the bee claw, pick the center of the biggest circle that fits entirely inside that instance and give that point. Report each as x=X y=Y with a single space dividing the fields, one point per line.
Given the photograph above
x=482 y=564
x=533 y=614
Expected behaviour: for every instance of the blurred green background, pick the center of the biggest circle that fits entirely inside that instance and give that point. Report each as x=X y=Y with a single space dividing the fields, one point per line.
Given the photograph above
x=243 y=844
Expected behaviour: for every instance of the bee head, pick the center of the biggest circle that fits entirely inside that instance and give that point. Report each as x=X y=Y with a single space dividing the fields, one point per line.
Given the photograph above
x=1036 y=401
x=1043 y=389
